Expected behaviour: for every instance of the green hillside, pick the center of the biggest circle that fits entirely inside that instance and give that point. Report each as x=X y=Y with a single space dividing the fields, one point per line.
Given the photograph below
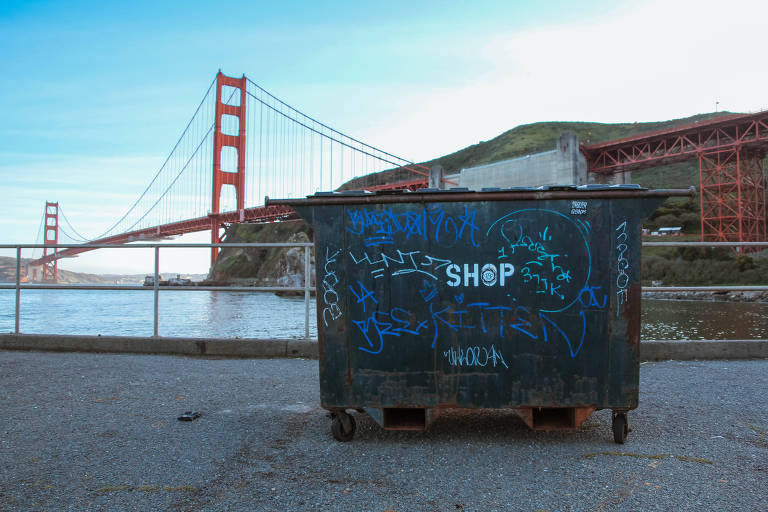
x=668 y=266
x=537 y=137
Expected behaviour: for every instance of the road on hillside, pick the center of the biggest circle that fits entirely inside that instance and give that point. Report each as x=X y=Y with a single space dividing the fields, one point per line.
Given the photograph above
x=99 y=432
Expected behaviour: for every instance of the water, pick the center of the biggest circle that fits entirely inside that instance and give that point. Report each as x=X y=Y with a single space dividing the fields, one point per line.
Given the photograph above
x=703 y=320
x=199 y=314
x=208 y=314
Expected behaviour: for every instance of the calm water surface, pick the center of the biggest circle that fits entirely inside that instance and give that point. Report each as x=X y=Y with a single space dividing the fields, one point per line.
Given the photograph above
x=703 y=320
x=199 y=314
x=264 y=315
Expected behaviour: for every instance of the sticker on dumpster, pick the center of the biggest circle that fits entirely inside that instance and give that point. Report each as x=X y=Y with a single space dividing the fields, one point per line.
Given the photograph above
x=578 y=207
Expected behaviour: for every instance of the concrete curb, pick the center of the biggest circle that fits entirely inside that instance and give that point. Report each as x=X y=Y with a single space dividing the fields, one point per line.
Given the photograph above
x=664 y=350
x=657 y=350
x=211 y=347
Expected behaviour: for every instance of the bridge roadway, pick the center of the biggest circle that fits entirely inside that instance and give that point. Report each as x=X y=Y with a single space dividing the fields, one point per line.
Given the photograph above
x=99 y=432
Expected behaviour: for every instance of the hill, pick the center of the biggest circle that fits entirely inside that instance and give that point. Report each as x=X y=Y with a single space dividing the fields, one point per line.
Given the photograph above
x=8 y=274
x=667 y=266
x=537 y=137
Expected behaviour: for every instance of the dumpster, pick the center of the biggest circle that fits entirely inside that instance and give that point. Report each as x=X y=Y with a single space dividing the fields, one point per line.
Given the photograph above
x=527 y=299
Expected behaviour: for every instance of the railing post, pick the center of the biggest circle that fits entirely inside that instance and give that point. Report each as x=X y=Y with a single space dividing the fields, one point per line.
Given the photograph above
x=156 y=286
x=306 y=291
x=18 y=286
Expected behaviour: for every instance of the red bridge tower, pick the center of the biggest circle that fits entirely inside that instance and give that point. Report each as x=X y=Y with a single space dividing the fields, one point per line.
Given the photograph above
x=51 y=237
x=229 y=176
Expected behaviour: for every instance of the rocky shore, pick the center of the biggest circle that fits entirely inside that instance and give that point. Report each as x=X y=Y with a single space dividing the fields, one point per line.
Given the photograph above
x=735 y=296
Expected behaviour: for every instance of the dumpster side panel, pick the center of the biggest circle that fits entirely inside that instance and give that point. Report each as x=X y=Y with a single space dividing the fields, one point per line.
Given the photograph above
x=479 y=303
x=331 y=298
x=627 y=216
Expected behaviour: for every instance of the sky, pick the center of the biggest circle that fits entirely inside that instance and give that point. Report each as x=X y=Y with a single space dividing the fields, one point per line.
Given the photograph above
x=93 y=95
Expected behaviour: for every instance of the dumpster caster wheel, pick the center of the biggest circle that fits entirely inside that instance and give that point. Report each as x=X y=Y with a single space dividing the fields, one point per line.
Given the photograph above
x=343 y=427
x=620 y=427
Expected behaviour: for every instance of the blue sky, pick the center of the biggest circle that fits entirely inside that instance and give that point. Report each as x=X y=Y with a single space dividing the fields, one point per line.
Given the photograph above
x=94 y=94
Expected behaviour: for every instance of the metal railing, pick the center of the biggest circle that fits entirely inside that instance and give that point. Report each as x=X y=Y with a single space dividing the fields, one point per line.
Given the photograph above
x=307 y=289
x=155 y=288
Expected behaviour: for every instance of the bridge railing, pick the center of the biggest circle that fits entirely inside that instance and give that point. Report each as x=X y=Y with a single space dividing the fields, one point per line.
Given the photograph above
x=155 y=288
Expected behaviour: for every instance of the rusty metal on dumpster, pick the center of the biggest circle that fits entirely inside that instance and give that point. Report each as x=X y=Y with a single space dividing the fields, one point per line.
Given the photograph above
x=525 y=298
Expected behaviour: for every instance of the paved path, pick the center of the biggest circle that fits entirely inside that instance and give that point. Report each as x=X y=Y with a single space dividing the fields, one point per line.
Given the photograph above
x=99 y=432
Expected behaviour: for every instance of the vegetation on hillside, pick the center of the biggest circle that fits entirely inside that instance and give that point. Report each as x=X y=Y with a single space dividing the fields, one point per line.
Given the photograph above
x=670 y=266
x=537 y=137
x=262 y=264
x=694 y=266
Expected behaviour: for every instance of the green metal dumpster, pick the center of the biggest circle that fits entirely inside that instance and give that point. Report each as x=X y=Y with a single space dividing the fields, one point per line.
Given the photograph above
x=525 y=298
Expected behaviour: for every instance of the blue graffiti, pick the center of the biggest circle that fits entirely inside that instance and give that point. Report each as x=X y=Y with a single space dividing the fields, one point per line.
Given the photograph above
x=508 y=321
x=395 y=323
x=475 y=356
x=428 y=290
x=364 y=294
x=401 y=263
x=379 y=226
x=552 y=264
x=592 y=300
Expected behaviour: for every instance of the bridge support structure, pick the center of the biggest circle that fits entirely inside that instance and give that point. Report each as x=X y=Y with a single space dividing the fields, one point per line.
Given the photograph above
x=234 y=176
x=732 y=195
x=51 y=237
x=731 y=150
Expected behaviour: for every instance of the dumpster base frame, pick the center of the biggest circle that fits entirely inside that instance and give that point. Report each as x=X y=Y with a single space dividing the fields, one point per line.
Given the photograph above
x=343 y=425
x=555 y=418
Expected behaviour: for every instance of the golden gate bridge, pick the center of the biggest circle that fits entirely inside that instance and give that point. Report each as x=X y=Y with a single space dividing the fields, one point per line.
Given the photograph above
x=243 y=144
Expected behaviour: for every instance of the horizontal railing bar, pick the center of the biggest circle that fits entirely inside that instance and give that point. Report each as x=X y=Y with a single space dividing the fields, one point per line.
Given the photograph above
x=310 y=244
x=163 y=288
x=705 y=244
x=152 y=246
x=304 y=290
x=723 y=288
x=313 y=289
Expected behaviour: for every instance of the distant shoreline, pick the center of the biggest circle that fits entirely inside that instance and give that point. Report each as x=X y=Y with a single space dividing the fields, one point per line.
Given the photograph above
x=735 y=296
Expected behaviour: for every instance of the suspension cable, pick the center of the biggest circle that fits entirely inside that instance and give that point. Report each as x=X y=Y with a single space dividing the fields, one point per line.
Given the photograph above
x=37 y=237
x=326 y=126
x=172 y=181
x=162 y=166
x=82 y=238
x=333 y=139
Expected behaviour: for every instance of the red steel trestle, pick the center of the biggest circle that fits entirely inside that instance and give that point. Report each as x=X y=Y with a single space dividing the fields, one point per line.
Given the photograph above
x=732 y=195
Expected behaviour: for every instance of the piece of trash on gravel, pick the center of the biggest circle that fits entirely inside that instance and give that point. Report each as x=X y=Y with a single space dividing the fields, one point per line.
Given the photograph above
x=189 y=416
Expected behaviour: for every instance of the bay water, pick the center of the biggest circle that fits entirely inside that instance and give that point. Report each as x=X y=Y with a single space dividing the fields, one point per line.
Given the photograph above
x=211 y=314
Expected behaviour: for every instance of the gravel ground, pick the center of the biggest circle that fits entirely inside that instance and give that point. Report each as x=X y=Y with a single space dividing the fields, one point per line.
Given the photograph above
x=99 y=432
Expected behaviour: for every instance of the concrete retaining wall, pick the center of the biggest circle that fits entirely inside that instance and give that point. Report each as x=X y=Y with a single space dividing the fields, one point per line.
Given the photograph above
x=257 y=348
x=250 y=348
x=703 y=350
x=564 y=165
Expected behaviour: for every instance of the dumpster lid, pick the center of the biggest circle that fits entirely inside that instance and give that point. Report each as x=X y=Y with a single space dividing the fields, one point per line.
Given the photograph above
x=430 y=195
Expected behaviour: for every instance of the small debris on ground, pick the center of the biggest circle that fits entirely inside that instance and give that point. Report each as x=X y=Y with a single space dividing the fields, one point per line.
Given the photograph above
x=189 y=416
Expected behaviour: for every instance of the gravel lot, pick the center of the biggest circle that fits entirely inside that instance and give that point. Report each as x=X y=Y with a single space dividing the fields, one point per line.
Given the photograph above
x=99 y=432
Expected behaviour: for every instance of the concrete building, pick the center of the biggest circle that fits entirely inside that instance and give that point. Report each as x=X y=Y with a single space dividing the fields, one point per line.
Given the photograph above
x=563 y=165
